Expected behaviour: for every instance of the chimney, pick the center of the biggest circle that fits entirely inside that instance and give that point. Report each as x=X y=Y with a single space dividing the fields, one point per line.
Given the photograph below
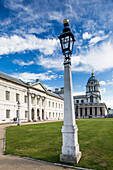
x=62 y=89
x=37 y=80
x=49 y=90
x=56 y=89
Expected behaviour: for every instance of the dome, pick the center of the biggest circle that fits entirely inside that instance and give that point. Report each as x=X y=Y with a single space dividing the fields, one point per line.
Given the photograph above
x=92 y=79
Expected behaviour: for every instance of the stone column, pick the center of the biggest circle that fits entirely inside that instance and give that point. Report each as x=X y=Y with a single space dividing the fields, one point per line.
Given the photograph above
x=29 y=106
x=55 y=115
x=40 y=108
x=103 y=111
x=78 y=113
x=70 y=148
x=44 y=108
x=83 y=112
x=19 y=119
x=88 y=112
x=35 y=111
x=93 y=112
x=98 y=111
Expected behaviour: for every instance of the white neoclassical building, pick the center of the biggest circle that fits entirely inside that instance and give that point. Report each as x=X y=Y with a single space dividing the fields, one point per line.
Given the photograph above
x=36 y=102
x=90 y=105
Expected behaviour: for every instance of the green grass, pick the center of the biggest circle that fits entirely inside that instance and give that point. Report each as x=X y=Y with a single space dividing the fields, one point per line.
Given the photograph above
x=44 y=141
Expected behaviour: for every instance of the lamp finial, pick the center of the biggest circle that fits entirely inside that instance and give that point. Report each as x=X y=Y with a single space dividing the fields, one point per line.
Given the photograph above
x=66 y=22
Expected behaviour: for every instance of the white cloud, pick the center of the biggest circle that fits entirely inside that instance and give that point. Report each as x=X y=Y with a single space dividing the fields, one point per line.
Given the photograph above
x=99 y=58
x=108 y=100
x=31 y=77
x=103 y=90
x=103 y=83
x=60 y=76
x=86 y=35
x=56 y=15
x=106 y=83
x=30 y=42
x=22 y=63
x=37 y=31
x=97 y=39
x=47 y=62
x=109 y=82
x=78 y=93
x=49 y=87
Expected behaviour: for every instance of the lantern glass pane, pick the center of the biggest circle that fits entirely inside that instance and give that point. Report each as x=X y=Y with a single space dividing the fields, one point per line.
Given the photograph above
x=65 y=42
x=71 y=43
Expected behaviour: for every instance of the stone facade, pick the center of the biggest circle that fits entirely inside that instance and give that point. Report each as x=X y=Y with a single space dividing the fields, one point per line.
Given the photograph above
x=89 y=105
x=36 y=102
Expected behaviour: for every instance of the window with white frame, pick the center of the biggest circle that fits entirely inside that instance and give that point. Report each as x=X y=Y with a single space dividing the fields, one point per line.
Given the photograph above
x=61 y=106
x=42 y=102
x=49 y=104
x=49 y=114
x=25 y=99
x=52 y=104
x=17 y=97
x=7 y=95
x=38 y=101
x=26 y=114
x=7 y=113
x=32 y=100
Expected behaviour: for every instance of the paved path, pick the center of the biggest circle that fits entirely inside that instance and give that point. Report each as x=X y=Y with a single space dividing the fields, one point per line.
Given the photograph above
x=8 y=162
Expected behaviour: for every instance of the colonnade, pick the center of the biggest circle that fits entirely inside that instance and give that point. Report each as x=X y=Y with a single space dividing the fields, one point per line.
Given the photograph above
x=91 y=112
x=36 y=110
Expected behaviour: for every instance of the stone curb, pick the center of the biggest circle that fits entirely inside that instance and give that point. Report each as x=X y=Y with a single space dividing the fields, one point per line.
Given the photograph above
x=50 y=163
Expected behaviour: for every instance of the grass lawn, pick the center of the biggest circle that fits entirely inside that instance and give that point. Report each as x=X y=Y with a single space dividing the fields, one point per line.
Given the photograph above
x=44 y=141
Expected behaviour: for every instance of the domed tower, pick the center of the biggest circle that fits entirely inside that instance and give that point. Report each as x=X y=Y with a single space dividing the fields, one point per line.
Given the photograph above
x=92 y=90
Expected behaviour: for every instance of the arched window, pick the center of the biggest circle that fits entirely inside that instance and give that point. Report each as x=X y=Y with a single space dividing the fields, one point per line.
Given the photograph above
x=91 y=98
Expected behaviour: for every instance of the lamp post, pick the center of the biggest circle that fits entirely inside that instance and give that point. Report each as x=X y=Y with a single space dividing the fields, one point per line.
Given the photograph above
x=19 y=121
x=70 y=148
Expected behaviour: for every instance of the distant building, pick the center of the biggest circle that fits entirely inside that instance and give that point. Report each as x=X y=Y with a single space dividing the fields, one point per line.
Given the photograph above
x=110 y=111
x=89 y=105
x=37 y=103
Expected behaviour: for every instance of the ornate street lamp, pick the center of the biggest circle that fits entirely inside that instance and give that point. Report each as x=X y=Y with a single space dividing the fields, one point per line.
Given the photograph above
x=19 y=121
x=70 y=148
x=67 y=40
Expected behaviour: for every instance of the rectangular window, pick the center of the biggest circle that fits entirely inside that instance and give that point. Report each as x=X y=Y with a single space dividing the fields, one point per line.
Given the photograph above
x=26 y=114
x=42 y=102
x=25 y=99
x=49 y=104
x=7 y=95
x=56 y=105
x=50 y=114
x=17 y=97
x=32 y=100
x=52 y=104
x=38 y=101
x=7 y=113
x=59 y=106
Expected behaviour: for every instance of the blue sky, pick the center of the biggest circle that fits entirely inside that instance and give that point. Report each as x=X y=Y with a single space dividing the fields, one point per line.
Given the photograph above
x=30 y=49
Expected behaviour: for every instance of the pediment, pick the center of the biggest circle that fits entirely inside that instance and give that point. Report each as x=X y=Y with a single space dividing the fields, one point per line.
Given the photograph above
x=39 y=86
